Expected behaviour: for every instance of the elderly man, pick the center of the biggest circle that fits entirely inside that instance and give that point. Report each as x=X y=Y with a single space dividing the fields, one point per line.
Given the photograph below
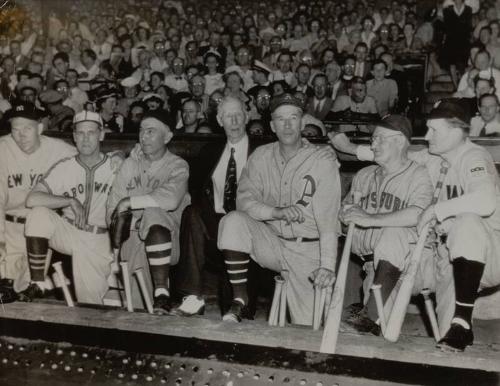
x=149 y=195
x=79 y=186
x=214 y=181
x=25 y=156
x=288 y=201
x=467 y=215
x=392 y=195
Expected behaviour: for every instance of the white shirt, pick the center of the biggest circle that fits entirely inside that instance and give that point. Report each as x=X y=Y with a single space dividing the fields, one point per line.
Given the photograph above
x=219 y=175
x=477 y=124
x=485 y=74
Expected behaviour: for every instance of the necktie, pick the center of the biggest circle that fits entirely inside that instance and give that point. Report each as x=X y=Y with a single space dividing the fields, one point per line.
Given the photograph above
x=482 y=133
x=317 y=111
x=230 y=185
x=442 y=174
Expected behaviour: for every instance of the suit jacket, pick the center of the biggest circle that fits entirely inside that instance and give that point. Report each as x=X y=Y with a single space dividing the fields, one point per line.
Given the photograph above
x=366 y=69
x=200 y=182
x=327 y=106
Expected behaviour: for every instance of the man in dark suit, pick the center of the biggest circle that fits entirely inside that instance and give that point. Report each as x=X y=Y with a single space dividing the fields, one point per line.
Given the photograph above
x=362 y=67
x=213 y=185
x=319 y=105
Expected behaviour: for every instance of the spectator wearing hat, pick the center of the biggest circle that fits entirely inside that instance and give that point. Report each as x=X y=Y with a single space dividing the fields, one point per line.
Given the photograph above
x=260 y=227
x=60 y=116
x=214 y=45
x=106 y=106
x=260 y=76
x=25 y=156
x=130 y=91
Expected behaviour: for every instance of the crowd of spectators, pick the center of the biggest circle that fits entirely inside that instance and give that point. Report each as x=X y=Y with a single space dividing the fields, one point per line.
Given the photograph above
x=342 y=59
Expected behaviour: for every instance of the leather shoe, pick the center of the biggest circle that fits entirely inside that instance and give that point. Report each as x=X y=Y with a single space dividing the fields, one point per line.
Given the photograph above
x=191 y=305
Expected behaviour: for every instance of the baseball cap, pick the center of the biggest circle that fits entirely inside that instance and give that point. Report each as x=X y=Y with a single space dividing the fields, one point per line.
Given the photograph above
x=451 y=108
x=87 y=116
x=24 y=109
x=397 y=123
x=284 y=99
x=130 y=81
x=160 y=115
x=261 y=67
x=153 y=97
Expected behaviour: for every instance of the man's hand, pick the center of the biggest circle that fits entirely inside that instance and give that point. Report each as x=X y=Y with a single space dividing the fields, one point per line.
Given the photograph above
x=322 y=277
x=341 y=143
x=355 y=214
x=427 y=216
x=3 y=250
x=289 y=214
x=79 y=212
x=123 y=205
x=117 y=158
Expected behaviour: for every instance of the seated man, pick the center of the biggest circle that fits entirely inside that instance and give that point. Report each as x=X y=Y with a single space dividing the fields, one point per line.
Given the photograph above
x=78 y=185
x=151 y=190
x=286 y=218
x=25 y=156
x=467 y=213
x=487 y=123
x=393 y=194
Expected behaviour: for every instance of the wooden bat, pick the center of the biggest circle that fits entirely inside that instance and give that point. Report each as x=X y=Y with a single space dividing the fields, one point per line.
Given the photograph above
x=407 y=280
x=332 y=323
x=380 y=306
x=67 y=295
x=431 y=314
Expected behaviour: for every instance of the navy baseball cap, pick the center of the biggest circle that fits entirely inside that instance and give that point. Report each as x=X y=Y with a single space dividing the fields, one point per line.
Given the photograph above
x=24 y=109
x=284 y=99
x=160 y=115
x=397 y=123
x=451 y=108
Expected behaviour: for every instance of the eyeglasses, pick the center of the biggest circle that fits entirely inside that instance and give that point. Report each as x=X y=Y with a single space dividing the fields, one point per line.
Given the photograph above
x=382 y=138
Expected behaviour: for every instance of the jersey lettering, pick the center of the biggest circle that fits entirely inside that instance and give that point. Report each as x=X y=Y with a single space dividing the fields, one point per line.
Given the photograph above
x=388 y=201
x=308 y=192
x=14 y=180
x=136 y=183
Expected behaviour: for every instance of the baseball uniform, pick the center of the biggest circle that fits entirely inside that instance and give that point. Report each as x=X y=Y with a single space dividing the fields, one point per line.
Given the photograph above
x=471 y=189
x=158 y=195
x=308 y=180
x=89 y=247
x=19 y=173
x=408 y=186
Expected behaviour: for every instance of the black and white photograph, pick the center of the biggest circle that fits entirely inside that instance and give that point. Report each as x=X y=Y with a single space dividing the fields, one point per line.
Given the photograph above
x=249 y=192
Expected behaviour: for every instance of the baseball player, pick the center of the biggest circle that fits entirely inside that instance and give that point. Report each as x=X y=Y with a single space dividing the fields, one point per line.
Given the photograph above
x=79 y=185
x=467 y=215
x=25 y=156
x=150 y=193
x=286 y=219
x=393 y=194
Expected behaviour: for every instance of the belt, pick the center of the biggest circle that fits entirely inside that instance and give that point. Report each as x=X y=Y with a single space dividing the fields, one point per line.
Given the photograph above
x=299 y=239
x=88 y=228
x=15 y=219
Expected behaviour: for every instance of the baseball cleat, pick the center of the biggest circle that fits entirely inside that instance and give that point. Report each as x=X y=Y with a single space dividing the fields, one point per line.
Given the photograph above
x=456 y=339
x=162 y=305
x=236 y=313
x=362 y=323
x=31 y=293
x=191 y=305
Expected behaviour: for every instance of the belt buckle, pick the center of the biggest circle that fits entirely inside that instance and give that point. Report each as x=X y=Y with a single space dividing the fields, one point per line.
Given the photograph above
x=299 y=240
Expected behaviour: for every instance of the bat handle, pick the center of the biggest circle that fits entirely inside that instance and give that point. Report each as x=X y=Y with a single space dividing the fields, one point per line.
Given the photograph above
x=278 y=287
x=126 y=284
x=429 y=306
x=62 y=279
x=380 y=306
x=144 y=289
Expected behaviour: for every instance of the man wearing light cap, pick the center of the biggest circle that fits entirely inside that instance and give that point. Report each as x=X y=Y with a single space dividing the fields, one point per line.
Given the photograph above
x=391 y=195
x=286 y=216
x=25 y=156
x=466 y=215
x=79 y=186
x=145 y=205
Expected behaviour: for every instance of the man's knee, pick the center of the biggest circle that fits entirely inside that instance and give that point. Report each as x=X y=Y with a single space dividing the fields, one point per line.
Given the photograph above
x=157 y=234
x=393 y=246
x=37 y=221
x=233 y=221
x=466 y=222
x=234 y=232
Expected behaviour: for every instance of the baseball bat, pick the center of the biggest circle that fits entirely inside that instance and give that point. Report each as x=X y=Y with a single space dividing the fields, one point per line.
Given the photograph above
x=380 y=305
x=407 y=280
x=431 y=314
x=67 y=295
x=273 y=314
x=283 y=299
x=126 y=284
x=144 y=289
x=332 y=323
